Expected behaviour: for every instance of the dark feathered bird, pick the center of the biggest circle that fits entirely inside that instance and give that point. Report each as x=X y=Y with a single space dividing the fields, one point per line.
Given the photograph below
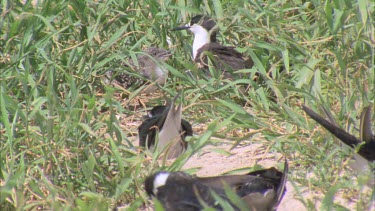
x=259 y=190
x=171 y=127
x=150 y=66
x=367 y=140
x=224 y=58
x=158 y=110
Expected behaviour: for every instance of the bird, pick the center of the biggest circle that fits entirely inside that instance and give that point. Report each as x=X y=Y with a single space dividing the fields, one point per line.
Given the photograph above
x=260 y=190
x=172 y=130
x=224 y=58
x=366 y=142
x=150 y=66
x=157 y=110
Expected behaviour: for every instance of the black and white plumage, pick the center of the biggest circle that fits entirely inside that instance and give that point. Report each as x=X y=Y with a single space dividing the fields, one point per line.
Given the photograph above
x=367 y=139
x=224 y=58
x=259 y=190
x=150 y=66
x=172 y=130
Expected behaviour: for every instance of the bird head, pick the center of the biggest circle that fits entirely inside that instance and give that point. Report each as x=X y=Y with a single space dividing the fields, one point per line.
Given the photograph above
x=200 y=25
x=156 y=181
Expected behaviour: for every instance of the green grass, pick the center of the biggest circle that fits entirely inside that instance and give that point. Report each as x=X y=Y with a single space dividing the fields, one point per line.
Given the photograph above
x=62 y=146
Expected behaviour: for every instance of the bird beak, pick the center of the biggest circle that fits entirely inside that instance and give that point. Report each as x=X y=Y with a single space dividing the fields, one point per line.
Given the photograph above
x=181 y=28
x=167 y=54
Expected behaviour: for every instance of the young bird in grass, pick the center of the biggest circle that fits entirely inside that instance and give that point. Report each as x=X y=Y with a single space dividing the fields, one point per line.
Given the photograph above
x=166 y=122
x=366 y=142
x=150 y=67
x=224 y=58
x=177 y=191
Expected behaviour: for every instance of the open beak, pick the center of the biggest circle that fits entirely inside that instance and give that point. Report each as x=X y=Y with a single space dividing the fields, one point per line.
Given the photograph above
x=181 y=28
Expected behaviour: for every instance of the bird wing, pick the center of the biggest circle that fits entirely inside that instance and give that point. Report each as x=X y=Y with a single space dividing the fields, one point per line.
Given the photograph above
x=341 y=134
x=219 y=181
x=367 y=150
x=281 y=189
x=187 y=130
x=223 y=57
x=147 y=130
x=261 y=190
